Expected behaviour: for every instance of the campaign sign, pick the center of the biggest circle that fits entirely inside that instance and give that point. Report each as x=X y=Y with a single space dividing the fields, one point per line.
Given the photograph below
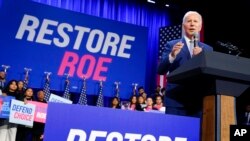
x=46 y=38
x=5 y=102
x=21 y=113
x=58 y=99
x=76 y=122
x=40 y=112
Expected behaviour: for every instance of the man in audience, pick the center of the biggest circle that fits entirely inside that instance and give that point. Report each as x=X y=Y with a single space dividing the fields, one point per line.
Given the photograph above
x=2 y=79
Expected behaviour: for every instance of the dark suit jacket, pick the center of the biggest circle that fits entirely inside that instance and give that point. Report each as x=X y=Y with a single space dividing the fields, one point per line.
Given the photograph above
x=175 y=94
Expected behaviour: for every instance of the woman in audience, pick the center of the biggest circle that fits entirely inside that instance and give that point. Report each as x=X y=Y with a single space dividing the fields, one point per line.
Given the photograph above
x=20 y=88
x=8 y=130
x=159 y=104
x=115 y=103
x=140 y=103
x=132 y=102
x=23 y=132
x=149 y=106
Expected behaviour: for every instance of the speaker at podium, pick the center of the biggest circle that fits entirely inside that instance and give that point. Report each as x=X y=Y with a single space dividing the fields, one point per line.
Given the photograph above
x=216 y=79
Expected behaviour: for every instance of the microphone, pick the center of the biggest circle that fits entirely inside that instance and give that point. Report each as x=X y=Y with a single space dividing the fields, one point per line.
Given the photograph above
x=196 y=39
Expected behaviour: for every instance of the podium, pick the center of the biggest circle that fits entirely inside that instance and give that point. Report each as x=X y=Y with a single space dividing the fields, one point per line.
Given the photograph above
x=220 y=78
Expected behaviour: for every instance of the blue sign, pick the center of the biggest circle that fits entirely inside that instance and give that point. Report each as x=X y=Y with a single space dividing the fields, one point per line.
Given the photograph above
x=77 y=122
x=5 y=102
x=46 y=38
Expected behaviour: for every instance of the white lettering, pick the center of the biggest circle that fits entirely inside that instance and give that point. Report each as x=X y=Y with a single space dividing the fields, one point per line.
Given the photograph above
x=98 y=46
x=112 y=39
x=164 y=138
x=113 y=135
x=49 y=32
x=148 y=138
x=76 y=132
x=180 y=139
x=65 y=36
x=237 y=132
x=132 y=137
x=29 y=24
x=81 y=31
x=94 y=134
x=41 y=115
x=45 y=31
x=124 y=46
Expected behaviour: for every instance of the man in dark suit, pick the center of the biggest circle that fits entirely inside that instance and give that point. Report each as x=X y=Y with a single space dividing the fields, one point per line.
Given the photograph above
x=176 y=53
x=2 y=79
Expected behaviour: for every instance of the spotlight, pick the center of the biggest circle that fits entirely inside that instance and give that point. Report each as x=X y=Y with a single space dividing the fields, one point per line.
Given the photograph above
x=151 y=1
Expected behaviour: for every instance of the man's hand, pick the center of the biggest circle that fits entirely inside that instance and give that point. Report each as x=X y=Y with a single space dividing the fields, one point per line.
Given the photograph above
x=197 y=50
x=176 y=49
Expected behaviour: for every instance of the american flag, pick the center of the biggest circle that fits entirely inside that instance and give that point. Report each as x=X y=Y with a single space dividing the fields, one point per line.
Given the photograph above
x=46 y=89
x=66 y=93
x=83 y=97
x=117 y=89
x=99 y=102
x=167 y=33
x=117 y=93
x=25 y=84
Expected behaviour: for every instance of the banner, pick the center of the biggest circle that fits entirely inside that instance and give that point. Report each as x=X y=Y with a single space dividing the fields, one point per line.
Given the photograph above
x=21 y=113
x=46 y=38
x=5 y=102
x=40 y=112
x=58 y=99
x=76 y=122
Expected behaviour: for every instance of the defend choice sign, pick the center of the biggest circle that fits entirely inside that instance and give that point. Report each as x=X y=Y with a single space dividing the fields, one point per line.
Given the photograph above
x=106 y=124
x=60 y=41
x=21 y=113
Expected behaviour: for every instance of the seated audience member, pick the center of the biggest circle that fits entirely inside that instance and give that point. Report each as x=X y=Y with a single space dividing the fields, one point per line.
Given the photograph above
x=159 y=104
x=115 y=103
x=140 y=103
x=149 y=105
x=132 y=103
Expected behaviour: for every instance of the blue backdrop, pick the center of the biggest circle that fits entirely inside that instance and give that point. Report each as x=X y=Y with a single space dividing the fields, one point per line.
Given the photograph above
x=126 y=11
x=134 y=12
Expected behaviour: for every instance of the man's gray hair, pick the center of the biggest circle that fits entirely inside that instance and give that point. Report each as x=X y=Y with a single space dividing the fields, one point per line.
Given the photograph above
x=185 y=17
